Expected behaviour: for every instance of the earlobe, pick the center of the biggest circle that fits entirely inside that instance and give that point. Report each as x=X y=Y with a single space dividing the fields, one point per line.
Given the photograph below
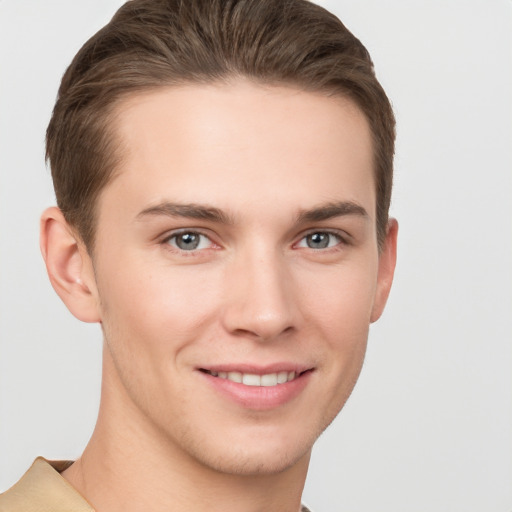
x=387 y=262
x=69 y=266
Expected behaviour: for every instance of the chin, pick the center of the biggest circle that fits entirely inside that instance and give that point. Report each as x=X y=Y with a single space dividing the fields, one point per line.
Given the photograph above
x=254 y=451
x=252 y=463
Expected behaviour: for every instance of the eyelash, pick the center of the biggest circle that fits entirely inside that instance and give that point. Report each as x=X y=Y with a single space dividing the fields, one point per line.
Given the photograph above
x=341 y=241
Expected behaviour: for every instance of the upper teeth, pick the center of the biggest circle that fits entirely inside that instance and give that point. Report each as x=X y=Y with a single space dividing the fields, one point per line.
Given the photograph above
x=251 y=379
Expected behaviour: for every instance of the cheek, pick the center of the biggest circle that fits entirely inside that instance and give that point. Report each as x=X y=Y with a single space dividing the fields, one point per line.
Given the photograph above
x=340 y=301
x=154 y=309
x=149 y=319
x=340 y=315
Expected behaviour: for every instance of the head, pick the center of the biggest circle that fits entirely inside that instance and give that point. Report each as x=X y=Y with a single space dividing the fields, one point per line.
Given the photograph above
x=223 y=169
x=151 y=44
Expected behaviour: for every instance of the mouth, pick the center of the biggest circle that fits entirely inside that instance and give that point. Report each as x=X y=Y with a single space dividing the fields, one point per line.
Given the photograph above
x=257 y=380
x=258 y=389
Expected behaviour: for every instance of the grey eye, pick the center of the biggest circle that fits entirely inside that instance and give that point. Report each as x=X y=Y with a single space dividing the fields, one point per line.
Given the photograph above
x=189 y=241
x=320 y=240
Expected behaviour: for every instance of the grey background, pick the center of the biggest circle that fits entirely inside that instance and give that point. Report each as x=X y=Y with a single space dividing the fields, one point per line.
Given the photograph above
x=429 y=426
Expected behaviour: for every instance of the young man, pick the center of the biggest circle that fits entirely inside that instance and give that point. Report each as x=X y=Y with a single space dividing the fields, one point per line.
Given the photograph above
x=223 y=174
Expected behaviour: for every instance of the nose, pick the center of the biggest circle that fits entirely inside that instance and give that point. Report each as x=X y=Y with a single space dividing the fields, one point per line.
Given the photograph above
x=260 y=299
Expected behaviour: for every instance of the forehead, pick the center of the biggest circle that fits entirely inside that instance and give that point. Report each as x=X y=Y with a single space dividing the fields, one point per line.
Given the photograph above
x=226 y=144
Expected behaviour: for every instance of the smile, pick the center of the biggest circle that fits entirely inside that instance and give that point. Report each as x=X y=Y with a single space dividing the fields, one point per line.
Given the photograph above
x=252 y=379
x=258 y=388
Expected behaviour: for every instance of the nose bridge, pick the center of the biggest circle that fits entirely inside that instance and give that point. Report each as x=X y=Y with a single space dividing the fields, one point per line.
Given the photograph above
x=260 y=298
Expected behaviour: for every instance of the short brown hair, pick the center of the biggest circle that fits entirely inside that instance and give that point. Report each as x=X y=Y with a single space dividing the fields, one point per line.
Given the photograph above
x=155 y=43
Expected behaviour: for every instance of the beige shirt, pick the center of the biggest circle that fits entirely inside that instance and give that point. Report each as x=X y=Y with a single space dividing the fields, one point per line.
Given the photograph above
x=43 y=489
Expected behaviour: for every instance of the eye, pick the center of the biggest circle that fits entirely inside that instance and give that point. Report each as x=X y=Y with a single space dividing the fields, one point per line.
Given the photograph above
x=320 y=240
x=189 y=241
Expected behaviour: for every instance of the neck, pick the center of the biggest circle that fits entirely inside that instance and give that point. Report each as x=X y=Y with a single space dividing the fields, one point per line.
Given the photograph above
x=130 y=465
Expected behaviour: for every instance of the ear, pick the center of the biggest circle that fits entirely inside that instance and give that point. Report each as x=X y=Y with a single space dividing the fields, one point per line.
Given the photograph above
x=69 y=266
x=387 y=262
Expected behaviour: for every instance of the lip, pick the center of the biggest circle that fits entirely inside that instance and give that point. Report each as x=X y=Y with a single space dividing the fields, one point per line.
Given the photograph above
x=257 y=369
x=258 y=398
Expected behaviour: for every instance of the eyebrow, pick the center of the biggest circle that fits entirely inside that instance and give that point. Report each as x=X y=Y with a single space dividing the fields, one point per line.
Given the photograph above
x=210 y=213
x=188 y=210
x=331 y=210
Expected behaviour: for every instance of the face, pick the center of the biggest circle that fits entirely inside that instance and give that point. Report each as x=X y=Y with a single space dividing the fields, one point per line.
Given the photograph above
x=236 y=269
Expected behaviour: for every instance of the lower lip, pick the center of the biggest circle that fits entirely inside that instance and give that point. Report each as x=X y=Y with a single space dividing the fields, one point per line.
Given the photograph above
x=259 y=397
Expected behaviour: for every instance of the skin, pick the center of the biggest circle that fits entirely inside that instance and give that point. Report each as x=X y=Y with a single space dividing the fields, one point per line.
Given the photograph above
x=265 y=167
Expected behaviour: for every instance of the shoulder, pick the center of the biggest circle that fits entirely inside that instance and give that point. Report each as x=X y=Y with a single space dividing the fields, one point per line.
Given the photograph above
x=42 y=488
